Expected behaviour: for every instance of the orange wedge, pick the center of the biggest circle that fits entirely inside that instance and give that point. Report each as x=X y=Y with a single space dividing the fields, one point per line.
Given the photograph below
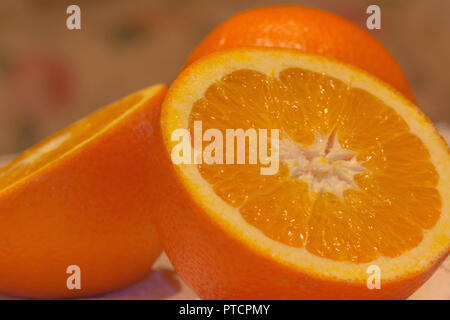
x=363 y=182
x=80 y=198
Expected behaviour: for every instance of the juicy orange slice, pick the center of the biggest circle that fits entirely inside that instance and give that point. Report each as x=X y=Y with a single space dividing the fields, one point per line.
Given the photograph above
x=363 y=176
x=81 y=198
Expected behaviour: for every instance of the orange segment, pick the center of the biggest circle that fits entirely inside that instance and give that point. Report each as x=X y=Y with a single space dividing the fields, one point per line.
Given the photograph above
x=288 y=223
x=363 y=179
x=81 y=197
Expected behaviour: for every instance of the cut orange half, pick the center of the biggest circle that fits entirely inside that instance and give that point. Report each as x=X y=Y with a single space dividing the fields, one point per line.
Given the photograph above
x=363 y=181
x=74 y=210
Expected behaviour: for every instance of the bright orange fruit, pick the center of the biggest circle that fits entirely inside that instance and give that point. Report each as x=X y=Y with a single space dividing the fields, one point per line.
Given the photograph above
x=81 y=198
x=308 y=30
x=363 y=180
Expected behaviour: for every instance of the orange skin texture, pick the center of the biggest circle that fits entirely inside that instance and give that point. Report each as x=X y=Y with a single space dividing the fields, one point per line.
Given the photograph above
x=308 y=30
x=91 y=208
x=217 y=265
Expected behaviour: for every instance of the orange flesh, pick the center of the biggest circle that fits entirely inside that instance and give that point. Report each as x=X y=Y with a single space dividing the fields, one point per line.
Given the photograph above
x=395 y=200
x=43 y=153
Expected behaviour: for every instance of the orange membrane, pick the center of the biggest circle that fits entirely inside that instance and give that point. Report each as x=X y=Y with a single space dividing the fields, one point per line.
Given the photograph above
x=50 y=149
x=355 y=183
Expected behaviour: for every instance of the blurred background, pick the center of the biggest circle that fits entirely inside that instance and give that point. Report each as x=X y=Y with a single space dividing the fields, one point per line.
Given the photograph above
x=51 y=76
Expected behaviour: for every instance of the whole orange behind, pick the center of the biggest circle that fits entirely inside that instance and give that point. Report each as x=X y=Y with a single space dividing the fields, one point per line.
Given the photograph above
x=81 y=198
x=308 y=30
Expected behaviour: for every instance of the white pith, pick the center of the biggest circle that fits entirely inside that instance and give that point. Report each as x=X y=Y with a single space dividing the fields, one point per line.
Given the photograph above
x=46 y=148
x=324 y=165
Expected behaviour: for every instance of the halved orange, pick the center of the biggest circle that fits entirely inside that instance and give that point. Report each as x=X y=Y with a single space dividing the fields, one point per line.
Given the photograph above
x=363 y=180
x=81 y=198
